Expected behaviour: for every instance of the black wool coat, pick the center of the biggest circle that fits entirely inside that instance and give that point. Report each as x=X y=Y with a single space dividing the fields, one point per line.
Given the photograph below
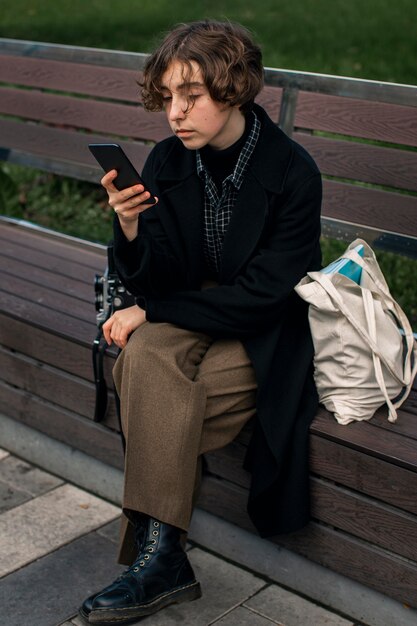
x=271 y=242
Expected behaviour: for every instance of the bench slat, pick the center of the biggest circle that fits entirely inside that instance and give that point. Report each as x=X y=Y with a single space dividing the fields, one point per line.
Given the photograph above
x=364 y=473
x=365 y=518
x=384 y=210
x=358 y=161
x=54 y=244
x=39 y=276
x=334 y=462
x=111 y=118
x=389 y=446
x=58 y=150
x=51 y=349
x=54 y=264
x=94 y=439
x=38 y=316
x=49 y=298
x=61 y=388
x=92 y=80
x=359 y=118
x=405 y=424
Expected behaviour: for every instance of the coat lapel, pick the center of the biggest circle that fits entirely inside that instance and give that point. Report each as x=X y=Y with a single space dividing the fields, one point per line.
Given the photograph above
x=267 y=172
x=245 y=227
x=181 y=209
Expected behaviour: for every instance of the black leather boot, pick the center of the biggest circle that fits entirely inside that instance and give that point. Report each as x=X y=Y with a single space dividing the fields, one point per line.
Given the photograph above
x=141 y=529
x=161 y=575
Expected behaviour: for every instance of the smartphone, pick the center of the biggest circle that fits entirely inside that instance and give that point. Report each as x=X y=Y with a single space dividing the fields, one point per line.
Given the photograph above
x=111 y=157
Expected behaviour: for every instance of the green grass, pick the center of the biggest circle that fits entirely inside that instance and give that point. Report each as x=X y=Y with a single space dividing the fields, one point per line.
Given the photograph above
x=63 y=204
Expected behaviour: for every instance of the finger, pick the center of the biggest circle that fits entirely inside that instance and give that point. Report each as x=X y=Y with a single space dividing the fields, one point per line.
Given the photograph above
x=107 y=180
x=107 y=326
x=120 y=334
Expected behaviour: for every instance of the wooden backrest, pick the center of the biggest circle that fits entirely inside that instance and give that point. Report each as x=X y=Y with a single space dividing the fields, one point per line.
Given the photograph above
x=55 y=99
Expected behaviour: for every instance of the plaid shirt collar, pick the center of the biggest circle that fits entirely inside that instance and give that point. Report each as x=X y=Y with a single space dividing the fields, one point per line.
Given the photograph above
x=236 y=177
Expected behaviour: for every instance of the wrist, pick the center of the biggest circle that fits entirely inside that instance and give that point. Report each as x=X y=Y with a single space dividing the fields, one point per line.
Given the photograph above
x=130 y=228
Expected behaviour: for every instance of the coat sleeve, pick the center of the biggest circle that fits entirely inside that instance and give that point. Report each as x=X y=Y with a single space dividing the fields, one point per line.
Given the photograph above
x=148 y=264
x=261 y=293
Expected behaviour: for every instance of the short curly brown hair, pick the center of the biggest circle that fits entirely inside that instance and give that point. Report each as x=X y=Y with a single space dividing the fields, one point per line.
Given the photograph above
x=229 y=59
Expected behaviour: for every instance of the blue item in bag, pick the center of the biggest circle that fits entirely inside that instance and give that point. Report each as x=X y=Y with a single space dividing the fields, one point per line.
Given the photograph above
x=347 y=267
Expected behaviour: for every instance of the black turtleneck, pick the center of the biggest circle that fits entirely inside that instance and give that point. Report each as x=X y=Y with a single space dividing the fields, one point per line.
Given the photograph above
x=221 y=163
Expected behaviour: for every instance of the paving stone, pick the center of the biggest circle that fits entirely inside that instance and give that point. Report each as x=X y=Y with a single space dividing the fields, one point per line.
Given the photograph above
x=3 y=454
x=223 y=585
x=111 y=531
x=26 y=477
x=289 y=609
x=10 y=497
x=47 y=522
x=49 y=591
x=245 y=617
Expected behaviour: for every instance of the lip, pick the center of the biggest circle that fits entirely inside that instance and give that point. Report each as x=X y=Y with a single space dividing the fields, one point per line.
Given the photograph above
x=183 y=132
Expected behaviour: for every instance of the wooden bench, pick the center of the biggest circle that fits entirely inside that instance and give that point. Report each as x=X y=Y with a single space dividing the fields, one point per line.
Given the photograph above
x=56 y=99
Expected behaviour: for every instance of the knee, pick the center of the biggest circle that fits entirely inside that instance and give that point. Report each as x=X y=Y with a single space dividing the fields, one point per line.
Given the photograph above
x=144 y=343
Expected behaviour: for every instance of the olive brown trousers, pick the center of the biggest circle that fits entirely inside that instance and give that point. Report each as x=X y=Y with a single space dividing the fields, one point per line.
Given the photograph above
x=182 y=394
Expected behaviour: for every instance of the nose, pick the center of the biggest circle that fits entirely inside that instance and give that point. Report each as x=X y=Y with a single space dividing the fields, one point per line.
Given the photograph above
x=177 y=109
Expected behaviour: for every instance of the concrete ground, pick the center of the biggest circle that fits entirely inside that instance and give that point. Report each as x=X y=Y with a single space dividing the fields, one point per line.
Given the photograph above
x=58 y=545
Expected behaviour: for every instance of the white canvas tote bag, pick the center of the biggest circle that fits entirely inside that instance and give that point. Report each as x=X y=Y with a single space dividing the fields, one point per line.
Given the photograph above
x=365 y=352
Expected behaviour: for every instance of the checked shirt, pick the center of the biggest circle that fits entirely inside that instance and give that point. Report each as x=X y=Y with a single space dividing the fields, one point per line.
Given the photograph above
x=218 y=207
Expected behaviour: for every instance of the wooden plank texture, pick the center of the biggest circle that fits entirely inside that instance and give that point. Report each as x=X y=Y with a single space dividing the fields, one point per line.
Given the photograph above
x=38 y=316
x=364 y=473
x=363 y=162
x=55 y=244
x=92 y=115
x=60 y=302
x=48 y=348
x=40 y=276
x=371 y=207
x=92 y=80
x=362 y=436
x=46 y=145
x=66 y=390
x=358 y=118
x=365 y=518
x=96 y=440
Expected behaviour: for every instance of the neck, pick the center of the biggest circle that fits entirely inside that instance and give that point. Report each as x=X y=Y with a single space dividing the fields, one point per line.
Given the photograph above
x=235 y=129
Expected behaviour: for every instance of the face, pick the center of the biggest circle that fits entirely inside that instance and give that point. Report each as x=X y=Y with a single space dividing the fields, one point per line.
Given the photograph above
x=206 y=122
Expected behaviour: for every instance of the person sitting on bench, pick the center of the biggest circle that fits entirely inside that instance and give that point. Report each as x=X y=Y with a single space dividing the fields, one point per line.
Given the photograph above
x=217 y=335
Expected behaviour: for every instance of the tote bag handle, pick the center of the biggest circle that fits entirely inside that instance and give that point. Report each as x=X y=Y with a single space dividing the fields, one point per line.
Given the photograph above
x=406 y=379
x=389 y=302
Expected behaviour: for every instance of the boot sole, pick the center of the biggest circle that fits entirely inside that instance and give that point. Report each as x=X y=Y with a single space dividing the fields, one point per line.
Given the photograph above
x=105 y=617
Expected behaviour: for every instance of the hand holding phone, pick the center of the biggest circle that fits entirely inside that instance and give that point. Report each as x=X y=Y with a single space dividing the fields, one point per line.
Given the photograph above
x=111 y=157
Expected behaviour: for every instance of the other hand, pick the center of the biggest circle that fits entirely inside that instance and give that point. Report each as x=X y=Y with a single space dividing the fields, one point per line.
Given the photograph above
x=122 y=323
